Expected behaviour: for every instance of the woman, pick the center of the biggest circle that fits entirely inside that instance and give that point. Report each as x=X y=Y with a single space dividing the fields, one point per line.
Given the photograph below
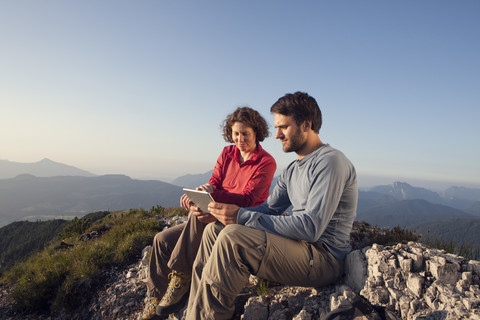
x=242 y=176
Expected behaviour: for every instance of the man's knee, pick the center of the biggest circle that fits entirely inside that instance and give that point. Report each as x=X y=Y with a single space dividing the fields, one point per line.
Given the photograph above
x=212 y=230
x=231 y=233
x=233 y=228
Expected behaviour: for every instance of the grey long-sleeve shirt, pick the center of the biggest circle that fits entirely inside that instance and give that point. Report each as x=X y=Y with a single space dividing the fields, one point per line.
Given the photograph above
x=322 y=189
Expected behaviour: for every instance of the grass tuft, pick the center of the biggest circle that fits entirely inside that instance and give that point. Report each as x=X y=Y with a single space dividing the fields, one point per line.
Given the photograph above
x=58 y=278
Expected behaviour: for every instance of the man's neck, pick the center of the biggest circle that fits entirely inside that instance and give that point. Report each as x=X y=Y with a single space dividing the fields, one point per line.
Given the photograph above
x=312 y=143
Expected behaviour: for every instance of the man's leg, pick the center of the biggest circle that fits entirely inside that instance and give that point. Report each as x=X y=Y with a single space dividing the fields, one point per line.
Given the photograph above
x=240 y=251
x=208 y=241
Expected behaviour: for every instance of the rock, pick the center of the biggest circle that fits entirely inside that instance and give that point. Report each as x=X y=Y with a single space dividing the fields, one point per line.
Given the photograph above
x=404 y=281
x=356 y=270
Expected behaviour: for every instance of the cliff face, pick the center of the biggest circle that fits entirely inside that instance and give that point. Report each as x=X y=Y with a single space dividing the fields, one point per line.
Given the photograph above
x=405 y=281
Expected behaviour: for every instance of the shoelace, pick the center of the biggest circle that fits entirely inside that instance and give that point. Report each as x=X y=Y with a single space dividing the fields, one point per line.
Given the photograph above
x=152 y=305
x=175 y=283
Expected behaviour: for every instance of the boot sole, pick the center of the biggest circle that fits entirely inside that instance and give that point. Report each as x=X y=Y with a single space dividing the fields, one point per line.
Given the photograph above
x=165 y=311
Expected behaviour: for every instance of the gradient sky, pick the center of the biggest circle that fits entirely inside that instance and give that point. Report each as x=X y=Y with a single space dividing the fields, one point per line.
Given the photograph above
x=141 y=87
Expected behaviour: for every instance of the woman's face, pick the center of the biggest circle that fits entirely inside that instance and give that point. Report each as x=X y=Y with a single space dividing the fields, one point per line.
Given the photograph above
x=244 y=137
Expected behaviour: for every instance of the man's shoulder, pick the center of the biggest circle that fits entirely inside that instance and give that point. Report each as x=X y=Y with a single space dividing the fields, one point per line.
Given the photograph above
x=329 y=152
x=331 y=159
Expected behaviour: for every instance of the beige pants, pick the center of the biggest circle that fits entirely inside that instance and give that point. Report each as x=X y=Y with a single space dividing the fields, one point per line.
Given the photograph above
x=228 y=255
x=173 y=249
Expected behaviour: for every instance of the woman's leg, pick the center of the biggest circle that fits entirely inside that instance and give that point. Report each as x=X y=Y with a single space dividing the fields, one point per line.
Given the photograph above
x=163 y=245
x=186 y=248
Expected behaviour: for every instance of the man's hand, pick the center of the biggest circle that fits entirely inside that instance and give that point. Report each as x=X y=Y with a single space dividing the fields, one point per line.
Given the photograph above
x=204 y=217
x=225 y=213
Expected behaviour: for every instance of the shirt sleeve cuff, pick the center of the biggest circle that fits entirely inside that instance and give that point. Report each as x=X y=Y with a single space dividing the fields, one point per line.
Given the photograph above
x=242 y=218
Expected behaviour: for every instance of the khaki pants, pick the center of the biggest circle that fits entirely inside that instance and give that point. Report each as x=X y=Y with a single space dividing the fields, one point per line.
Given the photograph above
x=228 y=255
x=173 y=249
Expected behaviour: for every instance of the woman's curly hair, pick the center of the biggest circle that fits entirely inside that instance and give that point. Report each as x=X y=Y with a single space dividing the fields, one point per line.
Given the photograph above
x=249 y=117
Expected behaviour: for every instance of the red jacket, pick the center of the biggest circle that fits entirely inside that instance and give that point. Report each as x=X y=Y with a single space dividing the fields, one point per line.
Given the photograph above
x=246 y=184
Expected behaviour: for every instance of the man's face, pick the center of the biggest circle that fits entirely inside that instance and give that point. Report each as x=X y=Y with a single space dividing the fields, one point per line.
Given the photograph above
x=289 y=133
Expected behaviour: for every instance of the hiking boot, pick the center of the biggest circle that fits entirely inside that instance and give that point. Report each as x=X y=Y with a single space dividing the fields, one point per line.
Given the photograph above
x=150 y=308
x=176 y=294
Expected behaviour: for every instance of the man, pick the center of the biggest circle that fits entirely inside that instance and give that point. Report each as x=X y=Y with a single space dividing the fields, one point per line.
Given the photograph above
x=306 y=247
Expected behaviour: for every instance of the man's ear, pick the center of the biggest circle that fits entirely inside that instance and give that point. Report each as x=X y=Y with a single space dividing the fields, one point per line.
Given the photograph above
x=307 y=125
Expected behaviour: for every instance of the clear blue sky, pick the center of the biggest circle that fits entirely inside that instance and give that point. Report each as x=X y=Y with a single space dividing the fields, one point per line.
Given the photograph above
x=141 y=87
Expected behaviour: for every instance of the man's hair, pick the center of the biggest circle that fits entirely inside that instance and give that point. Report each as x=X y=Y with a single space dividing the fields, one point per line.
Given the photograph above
x=301 y=107
x=249 y=117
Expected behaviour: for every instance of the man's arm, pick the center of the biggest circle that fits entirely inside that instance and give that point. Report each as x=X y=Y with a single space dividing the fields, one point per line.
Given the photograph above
x=276 y=204
x=309 y=221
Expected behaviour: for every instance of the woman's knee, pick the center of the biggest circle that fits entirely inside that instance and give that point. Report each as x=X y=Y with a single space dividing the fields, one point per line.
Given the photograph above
x=168 y=237
x=159 y=238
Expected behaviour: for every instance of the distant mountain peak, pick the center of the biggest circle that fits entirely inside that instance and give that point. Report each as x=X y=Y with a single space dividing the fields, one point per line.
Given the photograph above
x=404 y=191
x=43 y=168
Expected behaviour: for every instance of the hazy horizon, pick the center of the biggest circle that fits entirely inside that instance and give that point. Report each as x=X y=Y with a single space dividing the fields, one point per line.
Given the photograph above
x=141 y=88
x=365 y=181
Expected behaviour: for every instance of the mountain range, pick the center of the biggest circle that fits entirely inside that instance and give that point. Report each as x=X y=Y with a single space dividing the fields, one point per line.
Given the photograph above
x=192 y=181
x=40 y=198
x=47 y=189
x=453 y=215
x=42 y=168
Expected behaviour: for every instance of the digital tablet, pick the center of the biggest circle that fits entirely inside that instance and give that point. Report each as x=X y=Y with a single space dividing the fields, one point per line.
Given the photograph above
x=200 y=198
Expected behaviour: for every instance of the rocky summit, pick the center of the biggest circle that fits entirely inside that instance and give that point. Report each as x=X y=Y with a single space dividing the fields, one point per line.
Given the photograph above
x=405 y=281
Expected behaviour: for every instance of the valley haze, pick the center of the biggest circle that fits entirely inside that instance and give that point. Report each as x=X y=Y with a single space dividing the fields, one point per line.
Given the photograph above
x=47 y=190
x=47 y=168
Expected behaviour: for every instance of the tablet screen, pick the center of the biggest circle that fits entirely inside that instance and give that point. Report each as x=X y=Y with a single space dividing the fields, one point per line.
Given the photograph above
x=200 y=198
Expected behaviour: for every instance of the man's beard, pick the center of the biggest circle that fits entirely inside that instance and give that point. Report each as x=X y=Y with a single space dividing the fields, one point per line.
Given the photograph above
x=294 y=143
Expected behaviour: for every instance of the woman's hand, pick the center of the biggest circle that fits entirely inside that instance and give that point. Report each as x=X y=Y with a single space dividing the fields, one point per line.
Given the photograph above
x=207 y=187
x=204 y=217
x=185 y=202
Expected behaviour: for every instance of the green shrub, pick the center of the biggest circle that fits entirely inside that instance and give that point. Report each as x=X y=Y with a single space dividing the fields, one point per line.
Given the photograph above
x=465 y=249
x=59 y=279
x=41 y=277
x=75 y=227
x=367 y=235
x=170 y=212
x=263 y=287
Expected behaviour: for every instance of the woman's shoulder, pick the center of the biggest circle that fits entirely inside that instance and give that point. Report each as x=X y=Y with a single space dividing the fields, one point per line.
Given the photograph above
x=264 y=155
x=230 y=149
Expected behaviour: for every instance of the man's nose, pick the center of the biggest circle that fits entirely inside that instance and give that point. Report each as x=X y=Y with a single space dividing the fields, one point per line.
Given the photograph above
x=278 y=134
